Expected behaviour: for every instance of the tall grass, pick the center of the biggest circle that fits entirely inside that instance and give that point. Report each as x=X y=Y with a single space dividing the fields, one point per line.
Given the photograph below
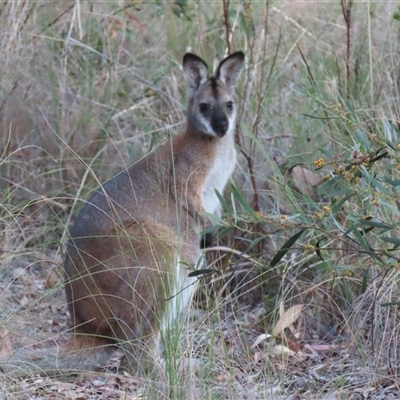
x=86 y=88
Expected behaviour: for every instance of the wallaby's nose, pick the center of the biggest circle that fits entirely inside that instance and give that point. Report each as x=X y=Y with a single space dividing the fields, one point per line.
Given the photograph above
x=220 y=126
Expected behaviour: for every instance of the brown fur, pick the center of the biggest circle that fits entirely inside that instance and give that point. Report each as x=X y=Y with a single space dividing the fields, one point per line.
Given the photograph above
x=136 y=240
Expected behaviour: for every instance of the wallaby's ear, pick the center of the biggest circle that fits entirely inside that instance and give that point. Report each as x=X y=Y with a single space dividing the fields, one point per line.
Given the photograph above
x=195 y=70
x=229 y=69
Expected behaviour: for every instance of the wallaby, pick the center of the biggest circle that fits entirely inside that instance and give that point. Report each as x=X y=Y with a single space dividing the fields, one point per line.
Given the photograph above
x=137 y=239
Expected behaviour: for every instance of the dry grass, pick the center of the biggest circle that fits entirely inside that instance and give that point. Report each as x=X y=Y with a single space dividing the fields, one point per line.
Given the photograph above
x=88 y=87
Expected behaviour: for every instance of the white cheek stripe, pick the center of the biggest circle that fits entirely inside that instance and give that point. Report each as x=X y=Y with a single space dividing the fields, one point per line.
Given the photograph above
x=232 y=122
x=206 y=124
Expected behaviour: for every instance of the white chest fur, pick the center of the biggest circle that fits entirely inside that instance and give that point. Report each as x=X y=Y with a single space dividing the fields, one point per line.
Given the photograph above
x=218 y=176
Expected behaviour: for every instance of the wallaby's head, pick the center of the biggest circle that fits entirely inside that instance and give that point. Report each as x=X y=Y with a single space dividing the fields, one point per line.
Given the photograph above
x=212 y=109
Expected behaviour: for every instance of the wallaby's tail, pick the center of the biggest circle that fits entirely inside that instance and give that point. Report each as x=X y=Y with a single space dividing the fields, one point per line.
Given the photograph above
x=79 y=354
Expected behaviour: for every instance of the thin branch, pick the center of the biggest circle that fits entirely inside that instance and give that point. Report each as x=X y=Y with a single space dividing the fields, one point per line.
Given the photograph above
x=346 y=10
x=225 y=5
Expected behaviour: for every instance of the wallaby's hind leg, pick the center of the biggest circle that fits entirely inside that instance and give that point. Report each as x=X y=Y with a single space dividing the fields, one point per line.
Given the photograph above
x=126 y=303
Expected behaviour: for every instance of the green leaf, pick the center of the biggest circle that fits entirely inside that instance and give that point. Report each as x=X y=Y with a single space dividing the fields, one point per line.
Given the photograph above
x=340 y=193
x=348 y=291
x=224 y=231
x=378 y=156
x=255 y=242
x=200 y=272
x=366 y=230
x=362 y=241
x=243 y=202
x=221 y=199
x=318 y=249
x=243 y=23
x=391 y=145
x=363 y=139
x=212 y=216
x=393 y=182
x=375 y=224
x=392 y=240
x=391 y=207
x=391 y=303
x=336 y=207
x=314 y=117
x=373 y=181
x=364 y=282
x=324 y=189
x=210 y=229
x=285 y=248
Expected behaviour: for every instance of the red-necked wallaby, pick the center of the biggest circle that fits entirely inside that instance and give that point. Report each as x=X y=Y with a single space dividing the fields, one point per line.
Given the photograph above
x=137 y=239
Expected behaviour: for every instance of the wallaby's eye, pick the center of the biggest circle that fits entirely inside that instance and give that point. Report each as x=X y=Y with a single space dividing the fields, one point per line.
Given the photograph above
x=204 y=107
x=229 y=105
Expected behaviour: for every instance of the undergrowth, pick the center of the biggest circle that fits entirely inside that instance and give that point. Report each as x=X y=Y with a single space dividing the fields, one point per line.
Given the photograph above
x=302 y=279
